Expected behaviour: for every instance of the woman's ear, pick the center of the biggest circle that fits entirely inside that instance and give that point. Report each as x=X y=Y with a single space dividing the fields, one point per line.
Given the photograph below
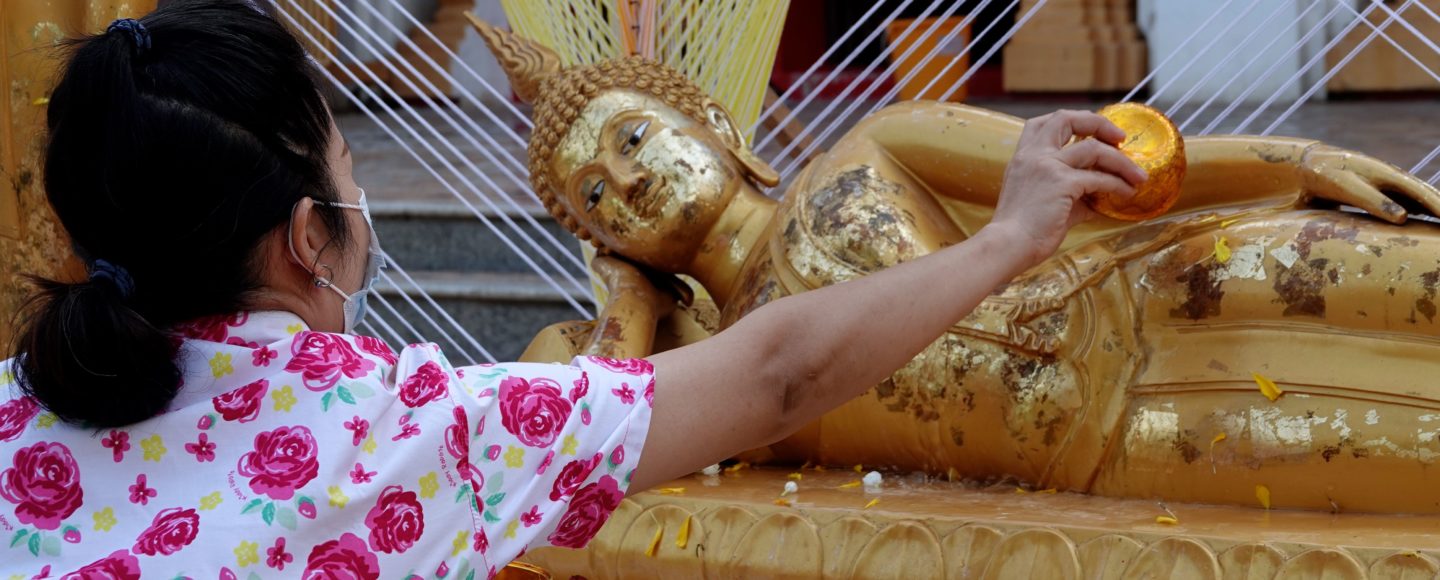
x=307 y=237
x=719 y=120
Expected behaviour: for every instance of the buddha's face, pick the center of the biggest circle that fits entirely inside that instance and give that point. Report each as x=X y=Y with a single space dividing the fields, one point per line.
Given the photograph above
x=645 y=179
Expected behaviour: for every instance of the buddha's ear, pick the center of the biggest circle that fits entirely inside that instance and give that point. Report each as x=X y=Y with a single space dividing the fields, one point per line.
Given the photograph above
x=720 y=122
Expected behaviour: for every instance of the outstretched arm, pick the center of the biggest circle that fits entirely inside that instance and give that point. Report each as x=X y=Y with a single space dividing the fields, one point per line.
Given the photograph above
x=798 y=357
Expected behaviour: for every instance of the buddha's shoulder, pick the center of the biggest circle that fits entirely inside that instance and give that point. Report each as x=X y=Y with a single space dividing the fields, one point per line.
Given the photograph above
x=837 y=224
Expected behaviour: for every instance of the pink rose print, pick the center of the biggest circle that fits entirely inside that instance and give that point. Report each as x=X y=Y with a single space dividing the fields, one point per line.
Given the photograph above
x=626 y=394
x=242 y=404
x=545 y=463
x=587 y=511
x=427 y=384
x=533 y=411
x=322 y=358
x=44 y=485
x=306 y=508
x=407 y=429
x=443 y=570
x=345 y=557
x=171 y=530
x=277 y=557
x=585 y=414
x=119 y=565
x=377 y=347
x=396 y=522
x=15 y=414
x=360 y=428
x=237 y=341
x=650 y=393
x=492 y=452
x=211 y=328
x=359 y=475
x=71 y=535
x=634 y=366
x=482 y=543
x=262 y=356
x=617 y=456
x=457 y=442
x=206 y=421
x=203 y=449
x=283 y=461
x=140 y=493
x=531 y=517
x=118 y=443
x=581 y=388
x=572 y=475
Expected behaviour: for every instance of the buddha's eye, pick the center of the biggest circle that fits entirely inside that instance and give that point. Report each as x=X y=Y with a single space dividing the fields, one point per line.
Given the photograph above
x=596 y=191
x=634 y=139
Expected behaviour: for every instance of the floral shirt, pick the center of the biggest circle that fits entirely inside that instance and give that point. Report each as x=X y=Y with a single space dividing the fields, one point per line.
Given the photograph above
x=295 y=453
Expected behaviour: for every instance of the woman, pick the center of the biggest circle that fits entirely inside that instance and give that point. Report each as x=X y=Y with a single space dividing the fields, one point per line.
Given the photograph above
x=216 y=415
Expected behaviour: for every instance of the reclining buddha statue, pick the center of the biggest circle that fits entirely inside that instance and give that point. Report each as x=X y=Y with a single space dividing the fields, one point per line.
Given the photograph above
x=1255 y=336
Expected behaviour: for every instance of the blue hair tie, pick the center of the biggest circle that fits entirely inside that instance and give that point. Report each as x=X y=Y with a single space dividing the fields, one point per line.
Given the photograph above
x=138 y=34
x=117 y=275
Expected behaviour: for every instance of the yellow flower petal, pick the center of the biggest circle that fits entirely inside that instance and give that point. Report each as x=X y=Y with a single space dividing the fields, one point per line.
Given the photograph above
x=683 y=538
x=1217 y=439
x=850 y=484
x=1267 y=387
x=782 y=502
x=655 y=541
x=859 y=468
x=41 y=101
x=1166 y=520
x=1228 y=223
x=1222 y=250
x=1262 y=493
x=796 y=476
x=458 y=545
x=670 y=490
x=1020 y=491
x=872 y=503
x=1050 y=491
x=569 y=445
x=737 y=467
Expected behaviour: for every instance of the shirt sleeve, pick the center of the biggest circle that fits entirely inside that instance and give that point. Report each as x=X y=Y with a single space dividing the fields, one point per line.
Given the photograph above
x=554 y=447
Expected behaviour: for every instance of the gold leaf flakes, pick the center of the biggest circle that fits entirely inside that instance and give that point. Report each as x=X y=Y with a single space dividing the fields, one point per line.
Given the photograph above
x=1262 y=493
x=683 y=538
x=1267 y=387
x=655 y=541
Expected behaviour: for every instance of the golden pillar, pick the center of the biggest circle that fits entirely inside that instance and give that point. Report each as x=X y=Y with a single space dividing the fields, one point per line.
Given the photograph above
x=31 y=241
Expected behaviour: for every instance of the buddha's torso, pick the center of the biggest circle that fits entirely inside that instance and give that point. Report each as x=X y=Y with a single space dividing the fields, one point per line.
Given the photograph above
x=1115 y=367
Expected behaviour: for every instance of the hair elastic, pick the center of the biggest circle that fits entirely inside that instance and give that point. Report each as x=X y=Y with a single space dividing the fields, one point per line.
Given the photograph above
x=138 y=34
x=117 y=275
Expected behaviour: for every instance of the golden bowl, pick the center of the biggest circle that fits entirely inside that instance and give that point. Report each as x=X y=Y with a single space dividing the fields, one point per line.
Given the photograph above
x=1153 y=142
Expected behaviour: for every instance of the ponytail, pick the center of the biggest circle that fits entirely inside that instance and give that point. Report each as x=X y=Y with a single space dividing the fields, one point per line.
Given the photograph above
x=89 y=358
x=177 y=144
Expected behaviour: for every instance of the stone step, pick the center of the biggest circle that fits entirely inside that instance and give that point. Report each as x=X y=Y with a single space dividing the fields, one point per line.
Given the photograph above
x=445 y=235
x=502 y=311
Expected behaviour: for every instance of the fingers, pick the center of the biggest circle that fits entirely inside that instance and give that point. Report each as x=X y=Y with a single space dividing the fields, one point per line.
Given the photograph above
x=1392 y=179
x=1097 y=182
x=1349 y=188
x=1092 y=154
x=1059 y=127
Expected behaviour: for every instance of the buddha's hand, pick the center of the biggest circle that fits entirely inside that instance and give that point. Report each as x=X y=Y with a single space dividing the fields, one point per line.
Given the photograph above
x=1049 y=174
x=622 y=278
x=1364 y=182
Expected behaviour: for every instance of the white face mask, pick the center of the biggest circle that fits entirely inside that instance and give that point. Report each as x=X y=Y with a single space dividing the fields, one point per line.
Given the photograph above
x=354 y=307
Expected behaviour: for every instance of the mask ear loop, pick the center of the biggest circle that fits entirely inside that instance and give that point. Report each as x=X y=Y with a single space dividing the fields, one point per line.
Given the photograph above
x=319 y=281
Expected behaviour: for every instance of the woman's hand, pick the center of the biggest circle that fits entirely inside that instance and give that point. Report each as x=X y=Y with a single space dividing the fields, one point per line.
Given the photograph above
x=1052 y=171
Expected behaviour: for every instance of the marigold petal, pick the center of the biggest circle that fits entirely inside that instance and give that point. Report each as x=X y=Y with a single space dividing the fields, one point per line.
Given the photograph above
x=1166 y=520
x=1262 y=493
x=1268 y=387
x=683 y=538
x=655 y=542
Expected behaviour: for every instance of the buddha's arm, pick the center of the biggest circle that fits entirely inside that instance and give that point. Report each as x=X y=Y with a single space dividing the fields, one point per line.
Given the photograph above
x=1236 y=169
x=956 y=151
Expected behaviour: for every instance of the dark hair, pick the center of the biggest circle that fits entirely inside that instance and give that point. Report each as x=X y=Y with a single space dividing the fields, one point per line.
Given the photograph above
x=170 y=162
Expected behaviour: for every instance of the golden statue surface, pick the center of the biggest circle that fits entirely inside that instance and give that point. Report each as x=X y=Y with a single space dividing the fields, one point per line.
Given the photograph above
x=1254 y=347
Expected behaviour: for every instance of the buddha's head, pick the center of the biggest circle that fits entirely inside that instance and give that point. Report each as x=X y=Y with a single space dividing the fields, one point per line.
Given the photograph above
x=628 y=153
